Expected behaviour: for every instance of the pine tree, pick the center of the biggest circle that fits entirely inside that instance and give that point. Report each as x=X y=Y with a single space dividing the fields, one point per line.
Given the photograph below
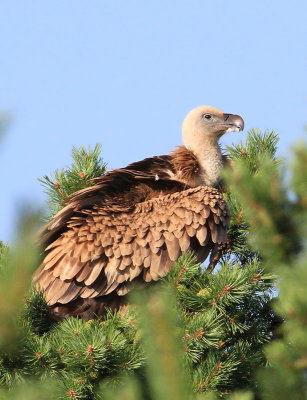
x=275 y=204
x=87 y=165
x=203 y=332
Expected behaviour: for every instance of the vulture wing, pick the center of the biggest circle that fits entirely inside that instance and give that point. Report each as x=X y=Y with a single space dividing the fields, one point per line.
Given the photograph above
x=130 y=225
x=101 y=251
x=120 y=189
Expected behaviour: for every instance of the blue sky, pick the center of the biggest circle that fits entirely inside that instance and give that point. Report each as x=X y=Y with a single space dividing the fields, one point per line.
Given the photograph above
x=126 y=73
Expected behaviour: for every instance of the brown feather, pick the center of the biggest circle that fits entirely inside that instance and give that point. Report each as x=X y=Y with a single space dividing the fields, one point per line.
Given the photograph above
x=53 y=297
x=165 y=263
x=134 y=272
x=186 y=165
x=190 y=230
x=147 y=261
x=178 y=233
x=147 y=275
x=202 y=235
x=96 y=269
x=137 y=259
x=51 y=255
x=85 y=270
x=125 y=248
x=155 y=263
x=184 y=242
x=110 y=288
x=78 y=249
x=112 y=243
x=108 y=251
x=213 y=230
x=44 y=280
x=156 y=233
x=173 y=249
x=70 y=294
x=54 y=260
x=74 y=268
x=66 y=267
x=122 y=290
x=145 y=251
x=88 y=292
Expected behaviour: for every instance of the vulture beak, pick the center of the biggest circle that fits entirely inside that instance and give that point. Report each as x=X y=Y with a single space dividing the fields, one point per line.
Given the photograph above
x=235 y=122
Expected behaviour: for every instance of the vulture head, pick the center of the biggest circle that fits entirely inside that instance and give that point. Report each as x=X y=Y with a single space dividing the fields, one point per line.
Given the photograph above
x=204 y=125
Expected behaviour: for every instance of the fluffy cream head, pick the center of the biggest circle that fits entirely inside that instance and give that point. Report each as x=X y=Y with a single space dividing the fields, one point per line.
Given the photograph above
x=205 y=125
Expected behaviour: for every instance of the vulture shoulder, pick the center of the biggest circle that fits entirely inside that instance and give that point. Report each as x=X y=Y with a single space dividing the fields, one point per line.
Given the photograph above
x=118 y=190
x=121 y=189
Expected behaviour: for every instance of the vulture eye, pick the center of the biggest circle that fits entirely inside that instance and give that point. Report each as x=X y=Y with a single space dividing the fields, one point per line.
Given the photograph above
x=207 y=116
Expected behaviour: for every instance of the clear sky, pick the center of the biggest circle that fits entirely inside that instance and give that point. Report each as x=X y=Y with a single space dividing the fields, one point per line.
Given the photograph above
x=125 y=73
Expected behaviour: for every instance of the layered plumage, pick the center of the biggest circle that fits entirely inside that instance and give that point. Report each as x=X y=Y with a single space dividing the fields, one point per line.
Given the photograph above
x=135 y=222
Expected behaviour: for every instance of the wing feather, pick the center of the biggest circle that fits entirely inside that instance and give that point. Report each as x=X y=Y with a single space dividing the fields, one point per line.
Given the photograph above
x=202 y=235
x=70 y=294
x=71 y=270
x=83 y=273
x=96 y=269
x=173 y=249
x=184 y=242
x=101 y=250
x=57 y=292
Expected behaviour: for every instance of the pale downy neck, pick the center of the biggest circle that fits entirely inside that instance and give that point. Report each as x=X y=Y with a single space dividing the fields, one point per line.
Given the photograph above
x=209 y=156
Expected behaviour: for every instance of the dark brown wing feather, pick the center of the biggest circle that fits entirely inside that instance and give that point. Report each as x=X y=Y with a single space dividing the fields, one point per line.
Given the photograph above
x=119 y=188
x=100 y=252
x=132 y=224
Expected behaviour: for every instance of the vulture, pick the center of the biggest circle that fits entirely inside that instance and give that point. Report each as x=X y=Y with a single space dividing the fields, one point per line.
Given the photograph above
x=134 y=222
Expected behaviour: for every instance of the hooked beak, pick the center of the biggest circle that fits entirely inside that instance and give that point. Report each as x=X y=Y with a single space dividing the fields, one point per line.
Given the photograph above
x=235 y=122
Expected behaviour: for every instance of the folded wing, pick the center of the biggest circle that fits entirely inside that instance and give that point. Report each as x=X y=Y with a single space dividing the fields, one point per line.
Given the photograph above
x=102 y=251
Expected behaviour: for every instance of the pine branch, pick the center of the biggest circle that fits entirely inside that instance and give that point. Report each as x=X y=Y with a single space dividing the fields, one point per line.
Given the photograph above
x=87 y=165
x=250 y=157
x=4 y=251
x=211 y=326
x=277 y=214
x=257 y=145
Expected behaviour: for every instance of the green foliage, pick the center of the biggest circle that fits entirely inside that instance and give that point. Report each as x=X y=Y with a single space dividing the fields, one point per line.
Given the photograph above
x=264 y=200
x=4 y=251
x=17 y=266
x=77 y=354
x=87 y=165
x=224 y=320
x=36 y=311
x=276 y=211
x=161 y=336
x=256 y=146
x=250 y=154
x=202 y=334
x=219 y=319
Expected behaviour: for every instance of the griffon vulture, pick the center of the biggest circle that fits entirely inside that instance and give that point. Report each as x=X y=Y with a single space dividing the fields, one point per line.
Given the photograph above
x=135 y=221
